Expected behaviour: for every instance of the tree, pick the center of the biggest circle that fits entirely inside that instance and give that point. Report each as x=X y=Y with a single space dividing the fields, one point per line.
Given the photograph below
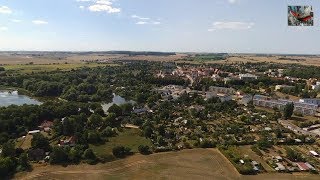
x=115 y=109
x=94 y=121
x=144 y=149
x=108 y=132
x=94 y=137
x=6 y=167
x=294 y=155
x=126 y=108
x=89 y=156
x=288 y=110
x=8 y=149
x=58 y=155
x=264 y=144
x=121 y=151
x=147 y=131
x=23 y=162
x=111 y=120
x=74 y=155
x=2 y=69
x=41 y=142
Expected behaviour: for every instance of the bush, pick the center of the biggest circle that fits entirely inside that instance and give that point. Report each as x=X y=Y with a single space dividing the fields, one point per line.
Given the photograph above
x=207 y=144
x=256 y=150
x=121 y=151
x=144 y=149
x=108 y=132
x=90 y=157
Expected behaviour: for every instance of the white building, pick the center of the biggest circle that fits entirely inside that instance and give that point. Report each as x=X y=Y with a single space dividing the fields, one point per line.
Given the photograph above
x=222 y=90
x=279 y=87
x=316 y=87
x=247 y=77
x=304 y=108
x=310 y=101
x=313 y=153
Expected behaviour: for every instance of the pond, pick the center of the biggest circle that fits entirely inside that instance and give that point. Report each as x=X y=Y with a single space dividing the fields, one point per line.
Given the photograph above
x=118 y=100
x=8 y=98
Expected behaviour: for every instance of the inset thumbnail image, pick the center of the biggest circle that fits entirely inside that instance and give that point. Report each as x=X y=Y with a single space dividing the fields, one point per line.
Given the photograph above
x=300 y=16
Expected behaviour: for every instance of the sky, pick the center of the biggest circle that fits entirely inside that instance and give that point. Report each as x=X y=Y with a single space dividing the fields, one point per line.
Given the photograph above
x=231 y=26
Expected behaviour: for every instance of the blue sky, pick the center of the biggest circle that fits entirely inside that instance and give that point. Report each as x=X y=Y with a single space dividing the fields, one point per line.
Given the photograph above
x=256 y=26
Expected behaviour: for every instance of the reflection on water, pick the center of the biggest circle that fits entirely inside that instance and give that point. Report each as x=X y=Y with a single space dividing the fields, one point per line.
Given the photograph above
x=8 y=98
x=118 y=100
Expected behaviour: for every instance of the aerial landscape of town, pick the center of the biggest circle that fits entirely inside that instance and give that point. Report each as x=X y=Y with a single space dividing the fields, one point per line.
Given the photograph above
x=99 y=91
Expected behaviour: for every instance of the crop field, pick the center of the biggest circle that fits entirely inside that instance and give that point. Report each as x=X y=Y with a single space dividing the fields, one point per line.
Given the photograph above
x=303 y=60
x=29 y=68
x=187 y=164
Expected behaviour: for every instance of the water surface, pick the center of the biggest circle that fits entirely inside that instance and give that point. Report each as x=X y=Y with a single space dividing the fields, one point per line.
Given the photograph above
x=8 y=98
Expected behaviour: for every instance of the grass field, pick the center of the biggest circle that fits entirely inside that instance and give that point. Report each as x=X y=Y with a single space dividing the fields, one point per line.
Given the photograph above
x=129 y=138
x=29 y=68
x=187 y=164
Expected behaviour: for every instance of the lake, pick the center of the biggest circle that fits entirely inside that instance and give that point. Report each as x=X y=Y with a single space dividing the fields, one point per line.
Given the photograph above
x=118 y=100
x=8 y=98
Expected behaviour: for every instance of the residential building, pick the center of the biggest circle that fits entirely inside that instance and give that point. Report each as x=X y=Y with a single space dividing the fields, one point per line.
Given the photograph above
x=284 y=87
x=247 y=77
x=222 y=90
x=299 y=107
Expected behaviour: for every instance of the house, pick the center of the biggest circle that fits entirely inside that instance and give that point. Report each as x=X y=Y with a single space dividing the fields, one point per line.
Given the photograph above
x=314 y=101
x=241 y=161
x=304 y=166
x=71 y=141
x=280 y=167
x=247 y=77
x=221 y=90
x=140 y=110
x=313 y=153
x=224 y=97
x=316 y=87
x=254 y=163
x=297 y=140
x=34 y=132
x=245 y=99
x=46 y=125
x=283 y=87
x=267 y=129
x=256 y=168
x=278 y=158
x=36 y=154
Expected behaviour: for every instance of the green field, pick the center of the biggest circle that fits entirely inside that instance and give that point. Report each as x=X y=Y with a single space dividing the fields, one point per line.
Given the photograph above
x=29 y=68
x=129 y=138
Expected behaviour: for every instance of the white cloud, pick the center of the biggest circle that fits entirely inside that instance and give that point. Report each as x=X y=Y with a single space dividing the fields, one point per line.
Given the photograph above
x=3 y=28
x=16 y=20
x=5 y=10
x=104 y=5
x=156 y=22
x=81 y=7
x=39 y=22
x=141 y=22
x=233 y=1
x=231 y=25
x=144 y=20
x=84 y=0
x=140 y=18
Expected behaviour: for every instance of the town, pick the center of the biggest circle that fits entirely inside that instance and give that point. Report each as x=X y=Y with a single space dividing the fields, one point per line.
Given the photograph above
x=260 y=116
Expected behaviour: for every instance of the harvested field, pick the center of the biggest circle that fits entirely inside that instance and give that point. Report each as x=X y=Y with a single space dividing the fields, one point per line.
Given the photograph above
x=187 y=164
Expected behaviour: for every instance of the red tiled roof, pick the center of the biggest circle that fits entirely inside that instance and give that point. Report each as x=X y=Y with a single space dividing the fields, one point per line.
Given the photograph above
x=302 y=166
